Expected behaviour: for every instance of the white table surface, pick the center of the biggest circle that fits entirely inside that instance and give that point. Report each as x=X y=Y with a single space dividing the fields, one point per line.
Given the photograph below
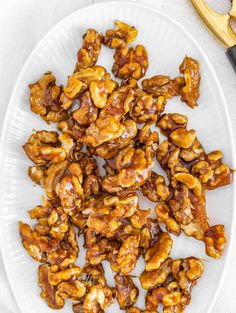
x=24 y=22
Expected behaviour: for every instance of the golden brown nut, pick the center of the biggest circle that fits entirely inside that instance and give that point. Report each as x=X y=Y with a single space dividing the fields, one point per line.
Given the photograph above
x=88 y=54
x=187 y=272
x=183 y=138
x=72 y=273
x=103 y=224
x=38 y=174
x=67 y=251
x=145 y=108
x=100 y=90
x=161 y=85
x=168 y=155
x=97 y=299
x=108 y=127
x=126 y=258
x=159 y=252
x=190 y=91
x=87 y=112
x=44 y=99
x=109 y=149
x=99 y=251
x=211 y=171
x=164 y=216
x=162 y=296
x=79 y=82
x=189 y=210
x=193 y=153
x=43 y=147
x=170 y=122
x=130 y=62
x=148 y=137
x=133 y=166
x=70 y=290
x=126 y=291
x=139 y=218
x=155 y=188
x=215 y=241
x=151 y=279
x=36 y=245
x=48 y=291
x=69 y=188
x=122 y=35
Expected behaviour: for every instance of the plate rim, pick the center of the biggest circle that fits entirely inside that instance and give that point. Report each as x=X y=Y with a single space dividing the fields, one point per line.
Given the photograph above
x=10 y=105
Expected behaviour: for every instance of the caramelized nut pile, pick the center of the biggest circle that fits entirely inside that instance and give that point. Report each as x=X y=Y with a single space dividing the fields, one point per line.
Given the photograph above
x=99 y=118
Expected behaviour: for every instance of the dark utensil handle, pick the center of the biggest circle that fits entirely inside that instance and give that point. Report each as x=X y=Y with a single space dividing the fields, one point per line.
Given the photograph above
x=231 y=54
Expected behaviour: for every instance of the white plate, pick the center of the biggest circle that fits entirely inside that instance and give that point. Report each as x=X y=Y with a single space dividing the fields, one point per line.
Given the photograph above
x=167 y=43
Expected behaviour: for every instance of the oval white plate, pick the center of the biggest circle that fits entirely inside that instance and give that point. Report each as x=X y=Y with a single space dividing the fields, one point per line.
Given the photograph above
x=167 y=43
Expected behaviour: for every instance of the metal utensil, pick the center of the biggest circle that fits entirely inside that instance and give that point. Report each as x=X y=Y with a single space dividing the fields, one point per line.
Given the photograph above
x=220 y=26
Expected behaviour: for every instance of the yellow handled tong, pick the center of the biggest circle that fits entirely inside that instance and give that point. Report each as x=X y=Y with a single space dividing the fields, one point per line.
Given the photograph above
x=220 y=26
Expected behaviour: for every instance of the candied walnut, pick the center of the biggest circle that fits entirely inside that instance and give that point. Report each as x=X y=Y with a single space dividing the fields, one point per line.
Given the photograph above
x=43 y=211
x=180 y=205
x=211 y=172
x=164 y=216
x=48 y=291
x=58 y=223
x=36 y=245
x=38 y=174
x=182 y=137
x=125 y=205
x=119 y=103
x=160 y=85
x=159 y=252
x=43 y=147
x=99 y=251
x=147 y=137
x=215 y=241
x=56 y=287
x=91 y=185
x=133 y=166
x=139 y=218
x=97 y=299
x=53 y=176
x=67 y=251
x=126 y=291
x=155 y=188
x=190 y=91
x=109 y=149
x=193 y=153
x=87 y=112
x=162 y=296
x=171 y=121
x=69 y=188
x=151 y=279
x=122 y=35
x=72 y=273
x=45 y=99
x=70 y=290
x=108 y=127
x=187 y=272
x=126 y=258
x=79 y=82
x=100 y=90
x=88 y=54
x=168 y=155
x=144 y=108
x=103 y=224
x=130 y=62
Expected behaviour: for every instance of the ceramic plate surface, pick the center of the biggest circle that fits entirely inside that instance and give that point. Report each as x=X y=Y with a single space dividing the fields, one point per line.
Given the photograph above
x=167 y=43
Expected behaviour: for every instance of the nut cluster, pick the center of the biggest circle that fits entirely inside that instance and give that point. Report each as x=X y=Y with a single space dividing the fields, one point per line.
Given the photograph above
x=99 y=118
